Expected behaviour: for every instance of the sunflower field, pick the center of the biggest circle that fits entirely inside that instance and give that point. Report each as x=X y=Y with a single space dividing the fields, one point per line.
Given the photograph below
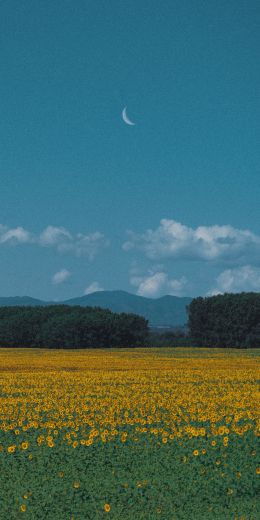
x=129 y=434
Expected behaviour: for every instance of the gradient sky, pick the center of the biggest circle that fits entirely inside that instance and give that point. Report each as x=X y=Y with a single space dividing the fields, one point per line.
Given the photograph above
x=168 y=206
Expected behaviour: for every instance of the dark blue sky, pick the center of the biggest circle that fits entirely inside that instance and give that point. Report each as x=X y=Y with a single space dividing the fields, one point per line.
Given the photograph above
x=74 y=178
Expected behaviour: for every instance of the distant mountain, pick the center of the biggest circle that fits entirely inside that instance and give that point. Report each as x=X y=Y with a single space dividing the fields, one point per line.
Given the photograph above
x=12 y=301
x=168 y=311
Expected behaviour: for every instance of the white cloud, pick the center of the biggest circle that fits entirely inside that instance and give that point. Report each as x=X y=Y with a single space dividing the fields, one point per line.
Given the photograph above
x=54 y=236
x=61 y=276
x=58 y=238
x=157 y=284
x=175 y=240
x=245 y=278
x=79 y=244
x=17 y=235
x=93 y=287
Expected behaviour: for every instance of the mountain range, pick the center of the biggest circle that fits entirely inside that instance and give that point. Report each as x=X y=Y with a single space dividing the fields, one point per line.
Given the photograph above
x=167 y=311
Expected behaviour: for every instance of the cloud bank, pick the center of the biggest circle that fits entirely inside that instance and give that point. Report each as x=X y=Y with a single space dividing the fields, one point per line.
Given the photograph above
x=58 y=238
x=227 y=258
x=208 y=243
x=79 y=244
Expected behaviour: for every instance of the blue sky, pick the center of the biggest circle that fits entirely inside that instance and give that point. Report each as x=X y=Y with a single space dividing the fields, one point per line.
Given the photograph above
x=168 y=206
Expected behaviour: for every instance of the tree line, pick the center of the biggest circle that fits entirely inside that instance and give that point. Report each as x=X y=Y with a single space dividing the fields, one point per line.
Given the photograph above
x=228 y=320
x=63 y=326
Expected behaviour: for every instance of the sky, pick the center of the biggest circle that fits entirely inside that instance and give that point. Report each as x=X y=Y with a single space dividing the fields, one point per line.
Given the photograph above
x=169 y=205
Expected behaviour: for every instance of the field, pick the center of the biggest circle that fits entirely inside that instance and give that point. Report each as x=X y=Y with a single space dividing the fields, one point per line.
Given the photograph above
x=129 y=434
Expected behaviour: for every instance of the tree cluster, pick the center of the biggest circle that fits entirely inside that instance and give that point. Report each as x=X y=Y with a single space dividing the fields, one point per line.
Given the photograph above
x=228 y=320
x=63 y=326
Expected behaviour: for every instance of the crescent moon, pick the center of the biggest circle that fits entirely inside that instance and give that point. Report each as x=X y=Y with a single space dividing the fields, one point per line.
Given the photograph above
x=126 y=118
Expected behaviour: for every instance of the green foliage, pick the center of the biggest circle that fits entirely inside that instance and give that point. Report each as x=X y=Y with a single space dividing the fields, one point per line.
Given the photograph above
x=139 y=481
x=62 y=326
x=229 y=320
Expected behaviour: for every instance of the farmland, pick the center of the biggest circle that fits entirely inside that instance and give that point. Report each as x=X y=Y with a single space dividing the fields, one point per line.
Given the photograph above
x=129 y=434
